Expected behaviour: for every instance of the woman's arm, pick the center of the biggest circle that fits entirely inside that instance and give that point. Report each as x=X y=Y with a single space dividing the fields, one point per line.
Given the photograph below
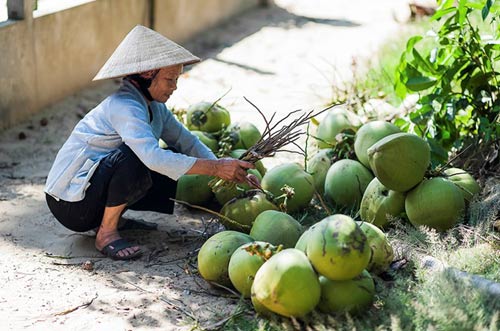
x=175 y=134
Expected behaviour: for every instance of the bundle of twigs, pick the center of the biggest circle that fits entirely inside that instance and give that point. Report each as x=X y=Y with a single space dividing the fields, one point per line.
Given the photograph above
x=275 y=137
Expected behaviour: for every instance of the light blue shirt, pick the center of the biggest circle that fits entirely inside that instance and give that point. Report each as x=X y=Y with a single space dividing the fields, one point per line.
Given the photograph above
x=121 y=118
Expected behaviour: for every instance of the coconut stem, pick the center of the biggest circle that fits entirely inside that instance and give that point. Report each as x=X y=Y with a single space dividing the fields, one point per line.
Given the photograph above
x=223 y=218
x=220 y=98
x=439 y=170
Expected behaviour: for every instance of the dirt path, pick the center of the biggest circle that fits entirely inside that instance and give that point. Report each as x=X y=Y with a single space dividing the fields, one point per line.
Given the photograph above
x=282 y=58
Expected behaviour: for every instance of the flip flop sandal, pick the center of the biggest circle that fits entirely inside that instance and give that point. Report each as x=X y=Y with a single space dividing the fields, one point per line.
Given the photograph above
x=111 y=250
x=131 y=224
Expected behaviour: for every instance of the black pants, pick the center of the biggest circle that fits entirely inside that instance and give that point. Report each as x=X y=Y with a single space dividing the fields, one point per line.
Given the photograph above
x=120 y=178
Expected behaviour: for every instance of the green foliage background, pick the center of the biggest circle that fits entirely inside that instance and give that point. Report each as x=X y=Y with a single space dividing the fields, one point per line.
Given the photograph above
x=455 y=71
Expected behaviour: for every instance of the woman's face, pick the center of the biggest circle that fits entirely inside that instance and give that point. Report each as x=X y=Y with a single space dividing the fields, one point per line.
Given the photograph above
x=165 y=83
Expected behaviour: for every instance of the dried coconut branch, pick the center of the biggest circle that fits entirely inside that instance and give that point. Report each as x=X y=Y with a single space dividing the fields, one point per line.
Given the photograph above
x=261 y=113
x=272 y=141
x=290 y=151
x=223 y=218
x=299 y=147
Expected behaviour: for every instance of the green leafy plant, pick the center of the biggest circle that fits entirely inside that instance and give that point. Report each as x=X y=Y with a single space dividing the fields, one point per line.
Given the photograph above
x=457 y=78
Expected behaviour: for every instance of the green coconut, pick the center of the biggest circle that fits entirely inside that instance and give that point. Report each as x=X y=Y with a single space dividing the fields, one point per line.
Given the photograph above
x=287 y=284
x=277 y=228
x=465 y=182
x=215 y=253
x=194 y=189
x=345 y=183
x=243 y=210
x=368 y=134
x=207 y=117
x=304 y=238
x=351 y=296
x=294 y=176
x=245 y=262
x=318 y=166
x=382 y=252
x=227 y=192
x=245 y=134
x=379 y=204
x=258 y=165
x=338 y=248
x=336 y=121
x=400 y=160
x=437 y=203
x=208 y=139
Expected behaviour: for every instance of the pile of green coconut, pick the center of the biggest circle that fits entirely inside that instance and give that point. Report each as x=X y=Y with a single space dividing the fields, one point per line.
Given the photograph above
x=290 y=269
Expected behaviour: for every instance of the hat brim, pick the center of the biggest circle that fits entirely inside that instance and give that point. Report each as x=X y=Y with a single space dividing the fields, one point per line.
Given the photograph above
x=100 y=76
x=143 y=50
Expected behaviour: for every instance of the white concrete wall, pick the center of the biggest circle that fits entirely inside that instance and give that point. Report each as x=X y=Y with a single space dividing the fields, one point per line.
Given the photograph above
x=46 y=58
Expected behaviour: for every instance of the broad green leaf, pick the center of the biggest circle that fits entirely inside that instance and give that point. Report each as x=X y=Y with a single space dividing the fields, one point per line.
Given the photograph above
x=438 y=153
x=445 y=4
x=411 y=43
x=462 y=11
x=412 y=71
x=448 y=26
x=448 y=29
x=400 y=77
x=493 y=45
x=445 y=56
x=423 y=62
x=486 y=10
x=440 y=13
x=474 y=5
x=445 y=134
x=399 y=87
x=401 y=123
x=420 y=83
x=456 y=67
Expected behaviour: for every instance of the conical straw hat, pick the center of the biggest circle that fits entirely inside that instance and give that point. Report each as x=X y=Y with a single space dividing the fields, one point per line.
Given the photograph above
x=144 y=49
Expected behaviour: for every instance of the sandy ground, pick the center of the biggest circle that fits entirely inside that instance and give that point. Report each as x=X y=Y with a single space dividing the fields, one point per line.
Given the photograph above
x=282 y=58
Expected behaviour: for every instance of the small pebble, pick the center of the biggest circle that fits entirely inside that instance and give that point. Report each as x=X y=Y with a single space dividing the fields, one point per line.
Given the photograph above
x=88 y=265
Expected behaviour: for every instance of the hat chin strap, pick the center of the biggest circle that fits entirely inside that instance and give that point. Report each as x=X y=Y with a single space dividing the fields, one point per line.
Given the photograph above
x=142 y=83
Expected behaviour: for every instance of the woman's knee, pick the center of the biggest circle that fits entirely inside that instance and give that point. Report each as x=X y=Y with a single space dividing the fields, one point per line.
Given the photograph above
x=75 y=216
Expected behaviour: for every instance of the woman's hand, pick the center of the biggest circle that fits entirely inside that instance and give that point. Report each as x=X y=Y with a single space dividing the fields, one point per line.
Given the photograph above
x=226 y=168
x=232 y=169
